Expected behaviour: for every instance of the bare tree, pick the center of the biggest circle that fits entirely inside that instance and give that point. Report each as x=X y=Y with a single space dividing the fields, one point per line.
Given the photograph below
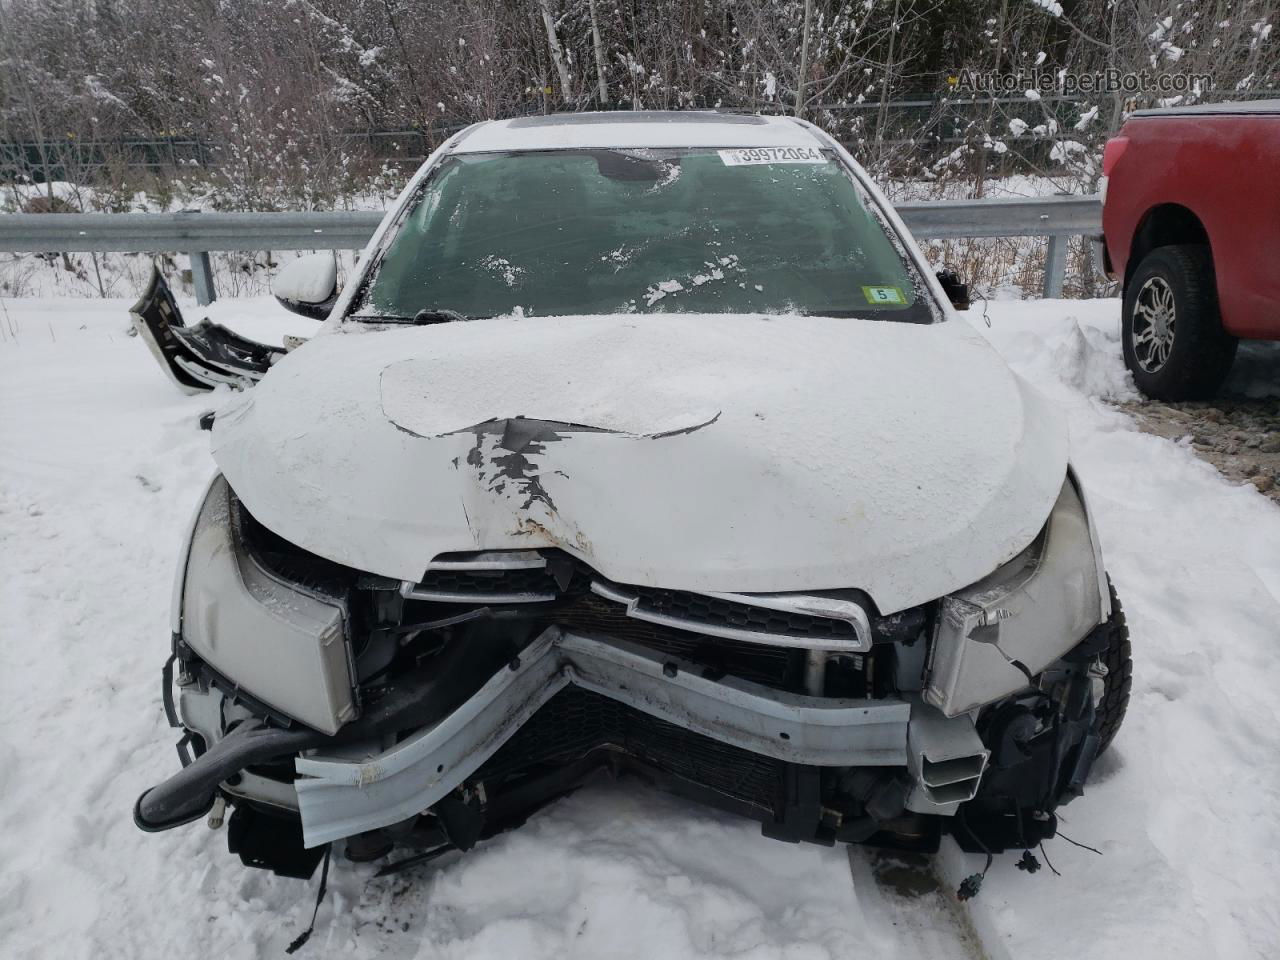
x=597 y=48
x=557 y=53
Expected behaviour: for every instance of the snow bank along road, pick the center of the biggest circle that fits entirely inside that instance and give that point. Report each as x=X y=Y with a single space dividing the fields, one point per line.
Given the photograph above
x=100 y=464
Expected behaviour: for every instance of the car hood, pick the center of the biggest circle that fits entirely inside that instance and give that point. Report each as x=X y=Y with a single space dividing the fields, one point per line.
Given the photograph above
x=705 y=453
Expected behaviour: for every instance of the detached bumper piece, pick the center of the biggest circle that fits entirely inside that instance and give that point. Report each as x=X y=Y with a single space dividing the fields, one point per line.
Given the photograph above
x=196 y=358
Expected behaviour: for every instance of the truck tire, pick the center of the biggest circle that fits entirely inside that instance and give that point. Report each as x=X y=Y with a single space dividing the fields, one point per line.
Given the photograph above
x=1174 y=344
x=1116 y=657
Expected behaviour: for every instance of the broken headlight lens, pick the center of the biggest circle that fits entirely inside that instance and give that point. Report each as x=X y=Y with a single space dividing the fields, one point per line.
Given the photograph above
x=992 y=638
x=281 y=642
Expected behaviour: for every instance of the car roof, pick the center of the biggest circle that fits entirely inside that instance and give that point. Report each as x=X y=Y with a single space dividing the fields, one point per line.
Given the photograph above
x=1237 y=107
x=634 y=130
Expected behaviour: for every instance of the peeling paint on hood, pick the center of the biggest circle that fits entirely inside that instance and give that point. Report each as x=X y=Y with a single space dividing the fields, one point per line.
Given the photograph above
x=698 y=452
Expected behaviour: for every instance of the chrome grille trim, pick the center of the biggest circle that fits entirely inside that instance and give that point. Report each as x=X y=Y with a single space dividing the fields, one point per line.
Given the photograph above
x=810 y=605
x=843 y=610
x=493 y=560
x=412 y=591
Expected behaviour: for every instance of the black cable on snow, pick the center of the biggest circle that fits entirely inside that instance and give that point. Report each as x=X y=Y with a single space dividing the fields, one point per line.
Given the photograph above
x=305 y=935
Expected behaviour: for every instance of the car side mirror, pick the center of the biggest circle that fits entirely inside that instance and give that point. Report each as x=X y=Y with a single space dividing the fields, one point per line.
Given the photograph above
x=956 y=290
x=308 y=285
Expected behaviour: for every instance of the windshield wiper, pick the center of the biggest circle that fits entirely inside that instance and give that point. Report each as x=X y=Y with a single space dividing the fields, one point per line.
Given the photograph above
x=421 y=318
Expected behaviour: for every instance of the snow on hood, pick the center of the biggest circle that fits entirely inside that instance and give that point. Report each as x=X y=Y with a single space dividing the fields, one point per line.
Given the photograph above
x=698 y=452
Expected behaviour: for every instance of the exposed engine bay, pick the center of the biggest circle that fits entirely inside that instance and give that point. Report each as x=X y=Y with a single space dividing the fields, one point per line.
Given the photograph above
x=459 y=705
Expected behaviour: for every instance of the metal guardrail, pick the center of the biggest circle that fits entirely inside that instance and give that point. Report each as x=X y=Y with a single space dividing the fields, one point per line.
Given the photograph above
x=1058 y=218
x=196 y=234
x=189 y=230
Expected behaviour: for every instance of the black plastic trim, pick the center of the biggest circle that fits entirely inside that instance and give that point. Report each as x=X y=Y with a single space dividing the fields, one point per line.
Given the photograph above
x=186 y=817
x=166 y=691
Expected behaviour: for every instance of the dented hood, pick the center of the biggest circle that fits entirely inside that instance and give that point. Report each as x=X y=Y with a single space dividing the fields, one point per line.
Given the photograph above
x=706 y=453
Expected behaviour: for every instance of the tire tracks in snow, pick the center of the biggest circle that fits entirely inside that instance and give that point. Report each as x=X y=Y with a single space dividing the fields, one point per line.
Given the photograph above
x=907 y=897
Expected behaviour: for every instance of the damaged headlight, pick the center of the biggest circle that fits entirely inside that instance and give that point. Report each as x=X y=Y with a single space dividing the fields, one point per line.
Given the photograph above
x=992 y=638
x=279 y=641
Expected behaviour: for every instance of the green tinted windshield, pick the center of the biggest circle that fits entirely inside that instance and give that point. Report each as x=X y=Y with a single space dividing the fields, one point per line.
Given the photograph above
x=608 y=231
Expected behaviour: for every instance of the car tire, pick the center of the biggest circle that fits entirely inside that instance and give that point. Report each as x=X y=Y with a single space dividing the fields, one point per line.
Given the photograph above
x=1117 y=658
x=1174 y=344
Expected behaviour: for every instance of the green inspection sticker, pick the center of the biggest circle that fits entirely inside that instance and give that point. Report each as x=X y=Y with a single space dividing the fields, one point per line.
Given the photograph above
x=893 y=295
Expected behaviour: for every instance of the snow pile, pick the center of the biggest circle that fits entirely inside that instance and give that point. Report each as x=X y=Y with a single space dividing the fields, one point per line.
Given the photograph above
x=101 y=466
x=652 y=374
x=1061 y=348
x=616 y=873
x=1186 y=806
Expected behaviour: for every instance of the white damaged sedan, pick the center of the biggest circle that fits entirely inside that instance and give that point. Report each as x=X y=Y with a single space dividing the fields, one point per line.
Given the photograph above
x=640 y=445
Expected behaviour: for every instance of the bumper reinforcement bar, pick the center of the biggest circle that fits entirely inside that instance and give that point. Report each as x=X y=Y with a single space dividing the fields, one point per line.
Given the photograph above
x=338 y=798
x=341 y=797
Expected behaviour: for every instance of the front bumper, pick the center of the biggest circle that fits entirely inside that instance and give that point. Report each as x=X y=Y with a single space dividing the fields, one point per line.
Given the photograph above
x=553 y=672
x=340 y=796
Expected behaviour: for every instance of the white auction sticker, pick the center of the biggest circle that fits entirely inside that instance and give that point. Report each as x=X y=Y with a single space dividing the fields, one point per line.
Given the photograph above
x=752 y=155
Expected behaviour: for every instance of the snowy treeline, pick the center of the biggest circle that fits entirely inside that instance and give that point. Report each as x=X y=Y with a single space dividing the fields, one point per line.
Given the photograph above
x=278 y=85
x=286 y=92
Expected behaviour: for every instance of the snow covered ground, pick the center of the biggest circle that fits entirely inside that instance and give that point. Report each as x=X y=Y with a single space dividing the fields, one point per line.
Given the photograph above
x=100 y=464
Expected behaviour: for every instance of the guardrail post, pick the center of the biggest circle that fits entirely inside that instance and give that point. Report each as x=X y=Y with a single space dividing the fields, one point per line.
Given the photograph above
x=1055 y=265
x=202 y=277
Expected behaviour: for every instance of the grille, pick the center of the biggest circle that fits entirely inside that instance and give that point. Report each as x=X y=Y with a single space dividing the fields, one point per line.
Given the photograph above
x=773 y=666
x=575 y=722
x=714 y=611
x=576 y=607
x=542 y=580
x=489 y=581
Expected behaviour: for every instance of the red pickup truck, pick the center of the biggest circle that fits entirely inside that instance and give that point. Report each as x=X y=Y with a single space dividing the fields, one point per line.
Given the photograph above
x=1191 y=218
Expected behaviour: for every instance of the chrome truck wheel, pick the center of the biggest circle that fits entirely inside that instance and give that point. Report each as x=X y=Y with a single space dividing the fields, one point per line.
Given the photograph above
x=1174 y=343
x=1154 y=316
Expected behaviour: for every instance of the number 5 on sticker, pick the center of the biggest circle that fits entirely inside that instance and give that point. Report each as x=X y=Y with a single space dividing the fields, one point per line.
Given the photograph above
x=889 y=295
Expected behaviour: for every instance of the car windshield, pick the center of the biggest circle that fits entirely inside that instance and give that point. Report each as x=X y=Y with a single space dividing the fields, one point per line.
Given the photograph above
x=766 y=230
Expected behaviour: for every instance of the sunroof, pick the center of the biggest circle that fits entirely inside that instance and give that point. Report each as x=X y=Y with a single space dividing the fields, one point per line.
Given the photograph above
x=636 y=116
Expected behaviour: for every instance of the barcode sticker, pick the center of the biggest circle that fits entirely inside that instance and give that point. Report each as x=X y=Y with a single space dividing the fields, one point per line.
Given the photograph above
x=753 y=155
